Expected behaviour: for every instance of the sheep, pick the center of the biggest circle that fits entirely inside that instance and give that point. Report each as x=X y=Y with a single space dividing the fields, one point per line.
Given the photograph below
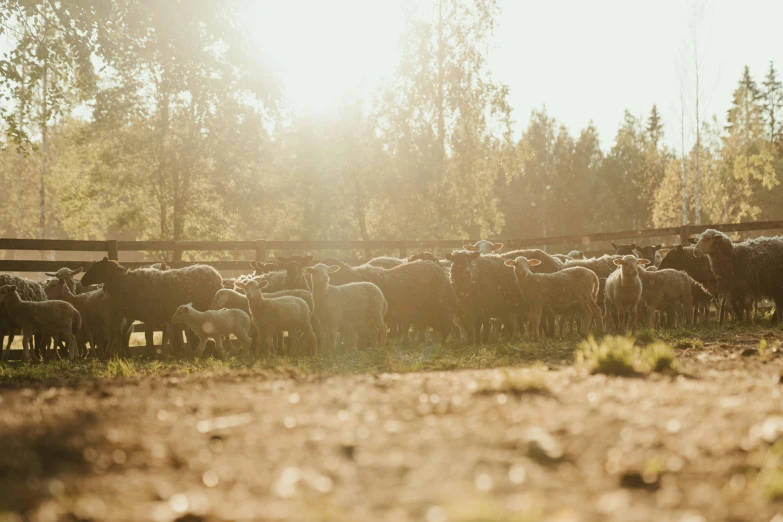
x=561 y=290
x=225 y=298
x=484 y=247
x=277 y=314
x=29 y=291
x=151 y=295
x=75 y=285
x=649 y=253
x=294 y=274
x=705 y=285
x=577 y=254
x=353 y=305
x=57 y=319
x=385 y=262
x=94 y=309
x=486 y=290
x=623 y=289
x=602 y=266
x=624 y=249
x=666 y=286
x=424 y=256
x=561 y=257
x=548 y=264
x=746 y=271
x=214 y=324
x=417 y=293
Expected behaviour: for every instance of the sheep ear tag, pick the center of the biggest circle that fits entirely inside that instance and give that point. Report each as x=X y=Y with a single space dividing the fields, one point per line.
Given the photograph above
x=534 y=262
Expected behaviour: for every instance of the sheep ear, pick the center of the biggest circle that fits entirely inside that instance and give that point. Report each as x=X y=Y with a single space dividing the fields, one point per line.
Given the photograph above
x=77 y=271
x=334 y=268
x=618 y=262
x=664 y=251
x=642 y=262
x=614 y=246
x=469 y=247
x=534 y=262
x=693 y=240
x=474 y=255
x=449 y=257
x=497 y=246
x=253 y=265
x=509 y=263
x=658 y=247
x=308 y=270
x=105 y=259
x=263 y=284
x=240 y=284
x=50 y=274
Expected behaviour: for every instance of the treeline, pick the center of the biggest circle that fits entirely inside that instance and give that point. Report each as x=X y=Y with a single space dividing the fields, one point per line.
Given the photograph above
x=157 y=117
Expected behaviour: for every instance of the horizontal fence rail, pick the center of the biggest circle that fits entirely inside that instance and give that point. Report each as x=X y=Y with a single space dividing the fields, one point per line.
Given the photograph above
x=261 y=247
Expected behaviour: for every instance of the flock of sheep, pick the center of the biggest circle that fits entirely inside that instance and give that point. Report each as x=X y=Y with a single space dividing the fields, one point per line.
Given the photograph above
x=476 y=294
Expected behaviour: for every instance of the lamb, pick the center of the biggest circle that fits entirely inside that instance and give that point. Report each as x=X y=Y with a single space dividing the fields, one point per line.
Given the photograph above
x=623 y=291
x=577 y=254
x=602 y=266
x=151 y=295
x=548 y=264
x=75 y=285
x=214 y=324
x=666 y=286
x=29 y=291
x=417 y=293
x=705 y=285
x=278 y=314
x=561 y=290
x=56 y=319
x=225 y=298
x=746 y=271
x=484 y=247
x=486 y=290
x=385 y=262
x=353 y=305
x=95 y=311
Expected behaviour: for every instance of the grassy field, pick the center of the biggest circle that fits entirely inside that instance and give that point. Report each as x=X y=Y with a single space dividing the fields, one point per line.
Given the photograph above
x=682 y=425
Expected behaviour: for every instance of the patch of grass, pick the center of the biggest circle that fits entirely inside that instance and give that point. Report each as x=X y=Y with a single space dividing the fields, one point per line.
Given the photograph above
x=646 y=336
x=618 y=355
x=517 y=382
x=614 y=355
x=770 y=477
x=659 y=357
x=120 y=368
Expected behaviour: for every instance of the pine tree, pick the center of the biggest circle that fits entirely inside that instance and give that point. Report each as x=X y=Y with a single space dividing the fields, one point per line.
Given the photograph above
x=772 y=103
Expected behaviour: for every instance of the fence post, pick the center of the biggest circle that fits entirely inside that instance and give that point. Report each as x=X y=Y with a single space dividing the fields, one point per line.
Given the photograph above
x=403 y=249
x=111 y=248
x=685 y=232
x=260 y=249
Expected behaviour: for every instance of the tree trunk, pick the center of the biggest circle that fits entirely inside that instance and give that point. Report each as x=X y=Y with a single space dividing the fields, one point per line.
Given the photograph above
x=697 y=177
x=684 y=162
x=42 y=188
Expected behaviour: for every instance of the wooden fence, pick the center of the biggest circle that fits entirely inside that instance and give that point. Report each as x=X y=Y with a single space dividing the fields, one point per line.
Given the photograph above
x=260 y=248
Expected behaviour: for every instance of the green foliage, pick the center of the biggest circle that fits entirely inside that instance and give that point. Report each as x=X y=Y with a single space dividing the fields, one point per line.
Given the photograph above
x=659 y=357
x=618 y=355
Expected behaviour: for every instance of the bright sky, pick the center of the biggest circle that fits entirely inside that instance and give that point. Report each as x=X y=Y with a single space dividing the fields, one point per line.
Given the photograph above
x=582 y=60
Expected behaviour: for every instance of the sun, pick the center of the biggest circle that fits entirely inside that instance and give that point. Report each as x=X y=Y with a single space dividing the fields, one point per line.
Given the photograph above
x=327 y=53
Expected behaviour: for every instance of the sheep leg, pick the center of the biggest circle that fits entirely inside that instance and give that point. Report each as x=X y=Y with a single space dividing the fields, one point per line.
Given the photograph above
x=634 y=317
x=219 y=347
x=650 y=316
x=246 y=341
x=312 y=340
x=535 y=322
x=381 y=327
x=8 y=346
x=621 y=326
x=26 y=338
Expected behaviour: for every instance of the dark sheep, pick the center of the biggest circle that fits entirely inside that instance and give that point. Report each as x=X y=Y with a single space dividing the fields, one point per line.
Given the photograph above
x=486 y=289
x=746 y=271
x=624 y=249
x=152 y=296
x=705 y=287
x=648 y=253
x=294 y=272
x=417 y=293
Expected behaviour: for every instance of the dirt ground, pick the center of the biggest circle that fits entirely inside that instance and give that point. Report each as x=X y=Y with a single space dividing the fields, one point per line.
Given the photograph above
x=508 y=444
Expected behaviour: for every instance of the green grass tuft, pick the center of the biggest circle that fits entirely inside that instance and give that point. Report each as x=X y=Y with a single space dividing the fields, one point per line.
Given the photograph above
x=517 y=382
x=660 y=357
x=614 y=355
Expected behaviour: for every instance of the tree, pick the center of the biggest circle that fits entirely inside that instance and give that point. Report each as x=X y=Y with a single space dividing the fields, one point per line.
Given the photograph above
x=772 y=103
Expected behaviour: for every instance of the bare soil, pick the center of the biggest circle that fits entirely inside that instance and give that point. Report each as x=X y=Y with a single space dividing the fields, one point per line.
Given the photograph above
x=460 y=445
